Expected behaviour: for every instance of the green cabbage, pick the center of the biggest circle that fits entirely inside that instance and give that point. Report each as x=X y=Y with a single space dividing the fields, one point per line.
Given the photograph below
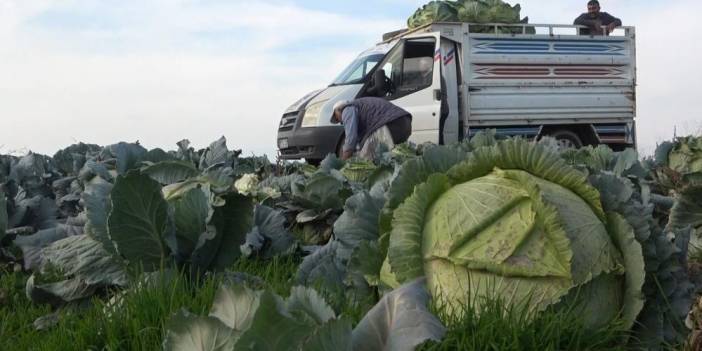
x=678 y=164
x=686 y=155
x=358 y=170
x=472 y=11
x=515 y=221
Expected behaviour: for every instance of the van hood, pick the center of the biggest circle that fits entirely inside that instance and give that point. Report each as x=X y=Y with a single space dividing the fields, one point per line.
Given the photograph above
x=331 y=95
x=302 y=101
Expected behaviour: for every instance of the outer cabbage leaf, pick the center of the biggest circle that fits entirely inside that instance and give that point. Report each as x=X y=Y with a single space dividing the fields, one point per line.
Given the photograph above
x=414 y=172
x=138 y=220
x=323 y=266
x=216 y=153
x=47 y=322
x=668 y=291
x=357 y=225
x=96 y=198
x=405 y=251
x=320 y=191
x=269 y=224
x=273 y=328
x=191 y=212
x=82 y=257
x=251 y=164
x=3 y=214
x=219 y=246
x=399 y=322
x=71 y=159
x=335 y=335
x=187 y=332
x=186 y=153
x=91 y=169
x=595 y=159
x=243 y=319
x=417 y=170
x=635 y=277
x=38 y=212
x=687 y=211
x=31 y=245
x=127 y=156
x=59 y=293
x=359 y=222
x=158 y=155
x=283 y=184
x=331 y=161
x=627 y=164
x=366 y=261
x=307 y=305
x=29 y=172
x=667 y=287
x=235 y=306
x=170 y=172
x=86 y=267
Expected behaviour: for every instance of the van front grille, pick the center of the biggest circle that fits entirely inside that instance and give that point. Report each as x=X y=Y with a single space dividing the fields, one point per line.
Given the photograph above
x=287 y=123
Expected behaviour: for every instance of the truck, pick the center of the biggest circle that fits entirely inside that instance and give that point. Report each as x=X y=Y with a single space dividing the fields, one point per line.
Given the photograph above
x=457 y=79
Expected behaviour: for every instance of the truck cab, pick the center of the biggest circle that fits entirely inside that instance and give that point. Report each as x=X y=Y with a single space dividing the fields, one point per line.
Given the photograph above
x=457 y=79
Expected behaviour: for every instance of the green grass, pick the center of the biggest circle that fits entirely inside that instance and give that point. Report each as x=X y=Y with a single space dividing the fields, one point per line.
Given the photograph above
x=502 y=327
x=137 y=323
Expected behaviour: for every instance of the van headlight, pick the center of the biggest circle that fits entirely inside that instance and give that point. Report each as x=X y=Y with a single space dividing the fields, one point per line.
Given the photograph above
x=311 y=116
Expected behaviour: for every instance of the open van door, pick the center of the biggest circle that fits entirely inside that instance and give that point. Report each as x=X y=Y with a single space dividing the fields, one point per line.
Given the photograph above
x=451 y=76
x=413 y=71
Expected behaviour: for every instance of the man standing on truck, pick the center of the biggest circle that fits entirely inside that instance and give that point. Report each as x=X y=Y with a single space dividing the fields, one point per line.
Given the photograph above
x=369 y=122
x=594 y=20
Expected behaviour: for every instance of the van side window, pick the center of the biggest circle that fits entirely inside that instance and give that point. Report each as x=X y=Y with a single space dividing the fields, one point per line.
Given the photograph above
x=410 y=67
x=418 y=65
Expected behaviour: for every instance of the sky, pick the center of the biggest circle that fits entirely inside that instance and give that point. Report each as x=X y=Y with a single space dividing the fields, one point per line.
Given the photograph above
x=158 y=71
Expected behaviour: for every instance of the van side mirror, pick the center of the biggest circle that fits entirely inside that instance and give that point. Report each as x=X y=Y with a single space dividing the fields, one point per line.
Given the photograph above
x=379 y=87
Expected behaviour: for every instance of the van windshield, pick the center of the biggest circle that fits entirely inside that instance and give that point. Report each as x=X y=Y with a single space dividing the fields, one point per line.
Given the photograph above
x=358 y=69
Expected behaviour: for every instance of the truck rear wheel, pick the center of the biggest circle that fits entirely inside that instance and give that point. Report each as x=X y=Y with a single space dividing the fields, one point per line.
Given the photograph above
x=566 y=139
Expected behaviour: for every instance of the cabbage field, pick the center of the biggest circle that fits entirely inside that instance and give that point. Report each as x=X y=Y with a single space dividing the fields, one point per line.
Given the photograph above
x=489 y=244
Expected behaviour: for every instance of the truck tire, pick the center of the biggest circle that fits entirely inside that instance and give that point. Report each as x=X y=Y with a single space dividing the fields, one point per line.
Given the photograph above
x=340 y=147
x=566 y=138
x=313 y=161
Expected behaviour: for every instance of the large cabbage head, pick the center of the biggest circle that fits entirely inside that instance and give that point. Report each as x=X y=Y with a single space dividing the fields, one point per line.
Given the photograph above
x=514 y=221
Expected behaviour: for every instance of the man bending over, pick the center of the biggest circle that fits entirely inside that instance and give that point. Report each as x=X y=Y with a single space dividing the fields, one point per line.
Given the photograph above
x=369 y=122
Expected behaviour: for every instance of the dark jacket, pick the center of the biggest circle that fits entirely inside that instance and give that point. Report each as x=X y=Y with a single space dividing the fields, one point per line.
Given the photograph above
x=375 y=112
x=594 y=24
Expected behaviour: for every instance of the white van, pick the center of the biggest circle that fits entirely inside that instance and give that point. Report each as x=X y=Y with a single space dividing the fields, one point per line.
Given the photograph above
x=457 y=79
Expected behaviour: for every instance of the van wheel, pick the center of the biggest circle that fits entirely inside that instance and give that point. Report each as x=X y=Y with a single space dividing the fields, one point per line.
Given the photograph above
x=313 y=161
x=566 y=139
x=340 y=147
